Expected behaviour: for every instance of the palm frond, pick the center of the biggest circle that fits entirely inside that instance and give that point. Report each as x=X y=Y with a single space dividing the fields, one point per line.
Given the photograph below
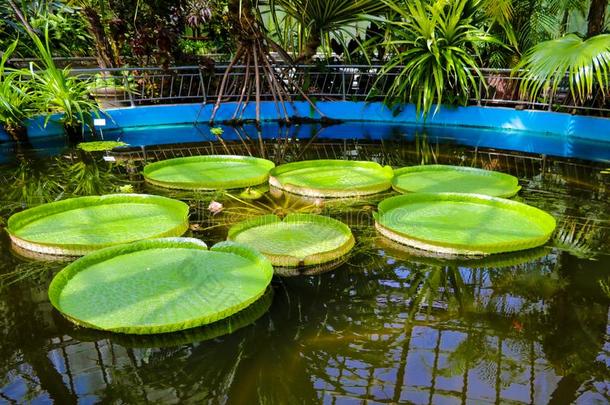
x=585 y=62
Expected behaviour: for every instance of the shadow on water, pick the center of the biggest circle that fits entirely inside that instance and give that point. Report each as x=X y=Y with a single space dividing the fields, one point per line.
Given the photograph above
x=388 y=325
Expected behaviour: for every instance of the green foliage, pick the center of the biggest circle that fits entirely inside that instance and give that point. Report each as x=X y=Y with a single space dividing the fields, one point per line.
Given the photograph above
x=586 y=63
x=15 y=103
x=67 y=30
x=155 y=279
x=313 y=22
x=100 y=146
x=487 y=225
x=57 y=90
x=434 y=53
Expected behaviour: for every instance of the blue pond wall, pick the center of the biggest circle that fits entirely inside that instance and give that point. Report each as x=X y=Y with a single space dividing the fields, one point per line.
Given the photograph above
x=567 y=125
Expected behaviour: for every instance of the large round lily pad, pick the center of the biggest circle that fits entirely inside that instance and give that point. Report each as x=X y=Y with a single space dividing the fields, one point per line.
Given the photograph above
x=160 y=285
x=454 y=179
x=208 y=172
x=80 y=225
x=332 y=178
x=463 y=224
x=226 y=326
x=298 y=240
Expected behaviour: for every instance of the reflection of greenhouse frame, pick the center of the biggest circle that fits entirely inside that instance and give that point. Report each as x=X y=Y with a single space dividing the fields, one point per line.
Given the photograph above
x=197 y=285
x=387 y=216
x=495 y=184
x=285 y=176
x=318 y=224
x=176 y=218
x=251 y=172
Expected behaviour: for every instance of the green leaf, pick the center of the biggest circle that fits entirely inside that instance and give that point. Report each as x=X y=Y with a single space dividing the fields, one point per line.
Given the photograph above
x=208 y=172
x=160 y=285
x=298 y=240
x=332 y=178
x=463 y=224
x=79 y=225
x=454 y=179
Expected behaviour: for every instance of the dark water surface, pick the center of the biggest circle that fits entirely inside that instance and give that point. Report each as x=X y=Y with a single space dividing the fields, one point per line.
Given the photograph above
x=387 y=326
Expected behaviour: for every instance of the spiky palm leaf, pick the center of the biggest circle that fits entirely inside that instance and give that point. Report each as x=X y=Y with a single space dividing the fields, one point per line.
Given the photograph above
x=434 y=46
x=585 y=62
x=319 y=18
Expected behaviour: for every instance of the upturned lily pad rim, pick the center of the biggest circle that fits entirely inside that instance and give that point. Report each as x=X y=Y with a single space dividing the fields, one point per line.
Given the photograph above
x=295 y=261
x=245 y=182
x=544 y=219
x=23 y=218
x=63 y=277
x=509 y=192
x=410 y=254
x=317 y=191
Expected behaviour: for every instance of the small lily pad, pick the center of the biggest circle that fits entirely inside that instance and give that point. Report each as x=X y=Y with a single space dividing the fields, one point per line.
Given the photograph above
x=298 y=240
x=78 y=226
x=208 y=172
x=332 y=178
x=454 y=179
x=463 y=224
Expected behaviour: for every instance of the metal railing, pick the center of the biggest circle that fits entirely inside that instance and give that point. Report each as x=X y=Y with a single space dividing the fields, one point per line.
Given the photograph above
x=190 y=84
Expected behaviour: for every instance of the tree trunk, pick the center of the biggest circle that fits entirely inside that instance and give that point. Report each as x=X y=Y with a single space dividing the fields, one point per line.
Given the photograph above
x=311 y=47
x=18 y=133
x=597 y=14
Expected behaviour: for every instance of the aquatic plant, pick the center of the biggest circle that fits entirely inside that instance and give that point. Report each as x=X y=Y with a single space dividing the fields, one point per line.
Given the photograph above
x=486 y=225
x=295 y=240
x=81 y=225
x=456 y=179
x=332 y=178
x=100 y=146
x=142 y=288
x=209 y=172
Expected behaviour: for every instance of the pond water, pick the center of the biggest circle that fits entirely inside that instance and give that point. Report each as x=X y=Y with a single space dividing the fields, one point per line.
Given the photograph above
x=386 y=326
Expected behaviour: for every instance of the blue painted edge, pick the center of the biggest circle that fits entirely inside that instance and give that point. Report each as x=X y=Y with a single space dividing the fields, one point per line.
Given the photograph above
x=591 y=128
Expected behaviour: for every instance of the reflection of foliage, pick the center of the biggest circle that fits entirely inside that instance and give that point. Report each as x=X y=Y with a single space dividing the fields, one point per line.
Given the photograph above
x=483 y=352
x=33 y=271
x=32 y=184
x=575 y=238
x=605 y=286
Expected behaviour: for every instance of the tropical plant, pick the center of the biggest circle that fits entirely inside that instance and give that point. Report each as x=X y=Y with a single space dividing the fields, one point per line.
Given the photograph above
x=68 y=34
x=317 y=19
x=57 y=90
x=15 y=103
x=434 y=53
x=584 y=63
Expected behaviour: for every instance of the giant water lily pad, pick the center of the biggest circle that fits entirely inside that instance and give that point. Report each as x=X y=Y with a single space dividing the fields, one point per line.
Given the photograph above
x=208 y=172
x=463 y=224
x=160 y=285
x=226 y=326
x=298 y=240
x=332 y=178
x=80 y=225
x=454 y=179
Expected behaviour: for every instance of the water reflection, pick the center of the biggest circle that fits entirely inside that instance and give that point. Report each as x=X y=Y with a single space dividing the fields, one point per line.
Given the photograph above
x=388 y=325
